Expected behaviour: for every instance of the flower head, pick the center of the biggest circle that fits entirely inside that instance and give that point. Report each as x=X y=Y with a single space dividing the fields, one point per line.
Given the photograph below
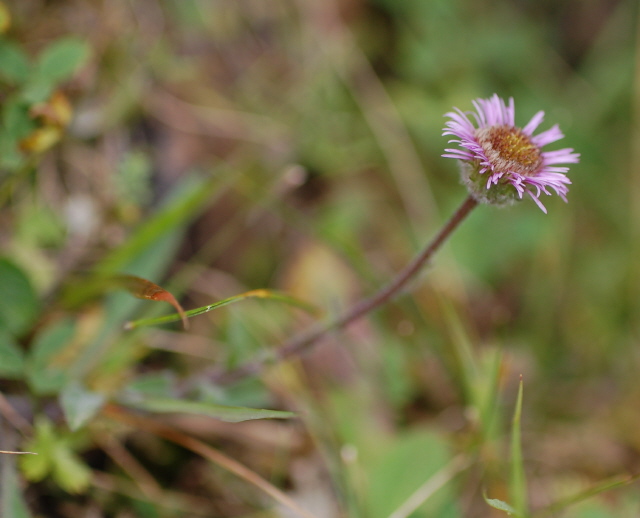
x=501 y=162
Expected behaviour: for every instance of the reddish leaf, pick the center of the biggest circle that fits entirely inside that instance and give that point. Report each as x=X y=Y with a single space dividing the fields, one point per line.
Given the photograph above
x=144 y=289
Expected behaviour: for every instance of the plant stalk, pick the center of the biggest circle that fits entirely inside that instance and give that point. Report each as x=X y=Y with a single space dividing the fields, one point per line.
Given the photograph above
x=304 y=341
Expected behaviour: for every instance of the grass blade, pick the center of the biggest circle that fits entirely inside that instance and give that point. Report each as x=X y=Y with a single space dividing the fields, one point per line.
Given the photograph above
x=230 y=414
x=587 y=493
x=426 y=490
x=518 y=482
x=260 y=294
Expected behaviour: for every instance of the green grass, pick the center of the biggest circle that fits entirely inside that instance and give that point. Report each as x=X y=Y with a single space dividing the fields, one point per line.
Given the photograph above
x=222 y=147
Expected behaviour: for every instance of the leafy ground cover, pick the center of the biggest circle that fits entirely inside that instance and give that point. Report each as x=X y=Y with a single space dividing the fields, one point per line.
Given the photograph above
x=264 y=165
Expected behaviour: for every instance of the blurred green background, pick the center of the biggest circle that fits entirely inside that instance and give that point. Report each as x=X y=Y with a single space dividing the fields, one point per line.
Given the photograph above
x=219 y=146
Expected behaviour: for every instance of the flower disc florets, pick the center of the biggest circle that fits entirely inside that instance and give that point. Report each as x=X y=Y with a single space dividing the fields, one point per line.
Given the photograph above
x=499 y=161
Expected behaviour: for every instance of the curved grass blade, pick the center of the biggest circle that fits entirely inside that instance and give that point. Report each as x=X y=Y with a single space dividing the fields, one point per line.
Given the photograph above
x=230 y=414
x=601 y=487
x=260 y=294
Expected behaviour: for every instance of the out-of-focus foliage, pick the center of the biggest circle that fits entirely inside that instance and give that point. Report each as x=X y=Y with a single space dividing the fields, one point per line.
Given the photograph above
x=219 y=147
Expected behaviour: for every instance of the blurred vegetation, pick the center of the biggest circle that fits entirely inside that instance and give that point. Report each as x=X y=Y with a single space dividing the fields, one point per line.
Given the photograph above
x=216 y=147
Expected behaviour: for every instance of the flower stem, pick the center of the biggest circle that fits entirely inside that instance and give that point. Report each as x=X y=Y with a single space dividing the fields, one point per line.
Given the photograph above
x=304 y=341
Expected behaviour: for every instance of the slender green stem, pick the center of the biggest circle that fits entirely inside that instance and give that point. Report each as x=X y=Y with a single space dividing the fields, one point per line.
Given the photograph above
x=304 y=341
x=260 y=294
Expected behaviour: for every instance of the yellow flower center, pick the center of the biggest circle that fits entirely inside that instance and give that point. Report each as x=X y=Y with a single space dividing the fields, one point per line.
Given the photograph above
x=509 y=150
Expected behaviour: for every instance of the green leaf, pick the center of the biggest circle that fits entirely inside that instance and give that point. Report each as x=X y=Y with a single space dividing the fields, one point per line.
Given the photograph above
x=186 y=201
x=14 y=63
x=11 y=357
x=60 y=60
x=16 y=119
x=56 y=457
x=156 y=384
x=79 y=404
x=502 y=506
x=231 y=414
x=517 y=482
x=37 y=89
x=18 y=301
x=56 y=64
x=69 y=471
x=11 y=159
x=600 y=487
x=44 y=374
x=404 y=466
x=16 y=124
x=36 y=467
x=39 y=226
x=147 y=252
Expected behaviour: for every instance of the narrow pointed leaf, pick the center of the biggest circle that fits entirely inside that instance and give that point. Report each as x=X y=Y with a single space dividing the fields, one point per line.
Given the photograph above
x=518 y=482
x=601 y=487
x=502 y=506
x=231 y=414
x=261 y=294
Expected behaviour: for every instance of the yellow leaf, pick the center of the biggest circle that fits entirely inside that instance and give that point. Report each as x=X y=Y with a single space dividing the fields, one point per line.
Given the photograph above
x=41 y=139
x=56 y=111
x=5 y=18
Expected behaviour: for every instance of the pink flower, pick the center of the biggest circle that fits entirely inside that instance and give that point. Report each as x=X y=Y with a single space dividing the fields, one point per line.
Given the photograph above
x=499 y=161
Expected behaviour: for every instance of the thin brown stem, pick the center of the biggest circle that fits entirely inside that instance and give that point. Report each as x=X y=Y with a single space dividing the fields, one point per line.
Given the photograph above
x=300 y=343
